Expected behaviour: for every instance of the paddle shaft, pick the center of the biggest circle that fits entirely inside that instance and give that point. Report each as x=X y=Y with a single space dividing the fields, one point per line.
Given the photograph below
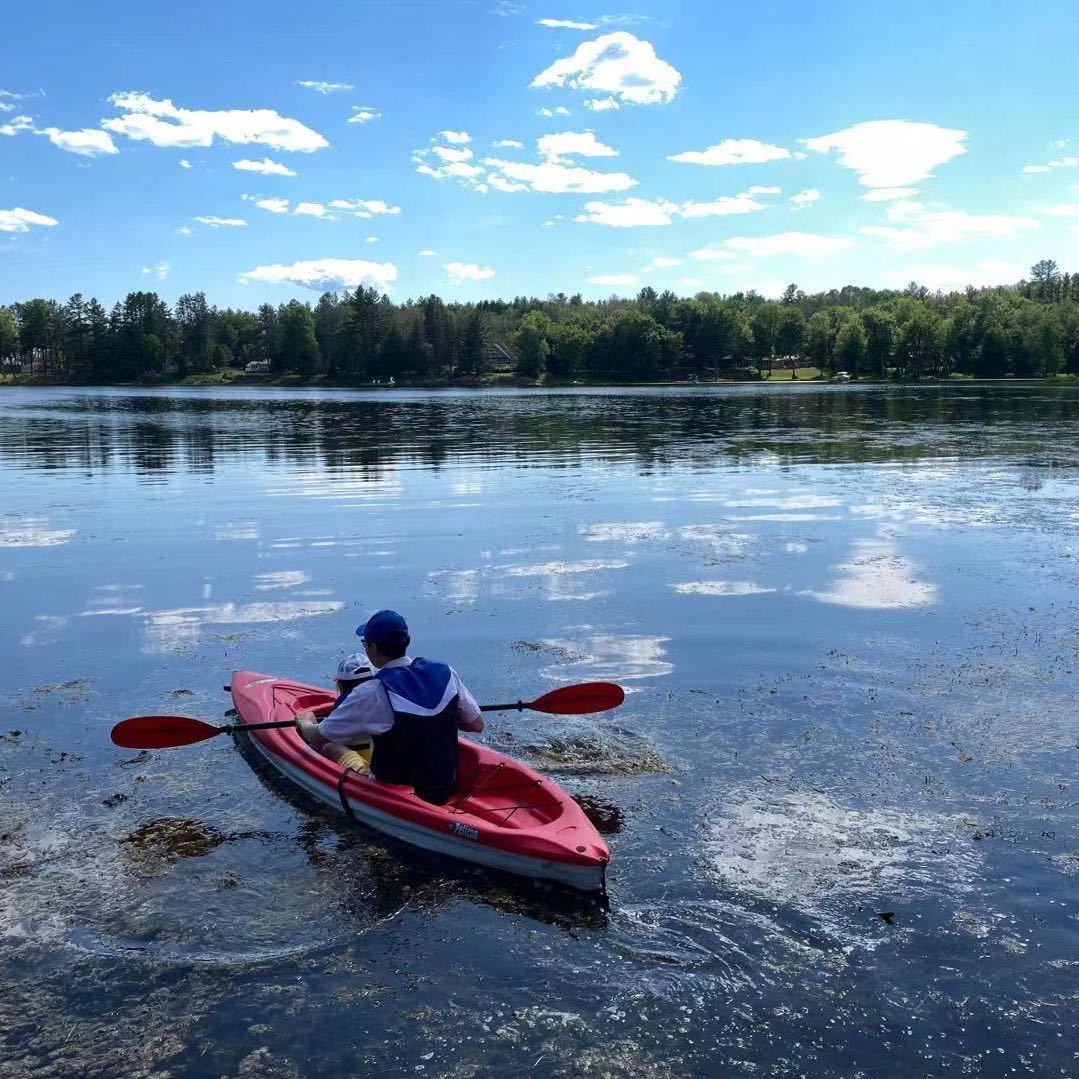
x=520 y=706
x=239 y=727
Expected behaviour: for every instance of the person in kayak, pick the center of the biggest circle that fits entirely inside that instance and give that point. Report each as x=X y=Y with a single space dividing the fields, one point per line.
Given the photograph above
x=411 y=710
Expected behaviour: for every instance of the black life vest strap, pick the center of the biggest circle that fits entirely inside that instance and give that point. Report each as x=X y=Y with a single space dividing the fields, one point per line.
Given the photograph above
x=346 y=805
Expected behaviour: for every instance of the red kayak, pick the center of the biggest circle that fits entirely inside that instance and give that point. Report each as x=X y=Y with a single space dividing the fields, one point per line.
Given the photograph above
x=502 y=814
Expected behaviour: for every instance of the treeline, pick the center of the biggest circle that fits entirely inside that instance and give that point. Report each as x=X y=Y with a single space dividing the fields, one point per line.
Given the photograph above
x=1030 y=329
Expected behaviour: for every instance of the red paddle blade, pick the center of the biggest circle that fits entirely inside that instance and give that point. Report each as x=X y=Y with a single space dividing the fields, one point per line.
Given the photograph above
x=161 y=732
x=580 y=700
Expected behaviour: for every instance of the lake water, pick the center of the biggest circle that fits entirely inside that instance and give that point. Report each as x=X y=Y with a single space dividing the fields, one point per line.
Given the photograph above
x=840 y=798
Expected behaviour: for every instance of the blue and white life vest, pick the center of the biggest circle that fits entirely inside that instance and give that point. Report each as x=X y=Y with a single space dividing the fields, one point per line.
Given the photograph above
x=420 y=749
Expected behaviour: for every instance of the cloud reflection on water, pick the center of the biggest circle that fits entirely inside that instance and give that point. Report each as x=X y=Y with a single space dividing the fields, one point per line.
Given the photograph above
x=610 y=656
x=722 y=588
x=174 y=630
x=32 y=532
x=877 y=577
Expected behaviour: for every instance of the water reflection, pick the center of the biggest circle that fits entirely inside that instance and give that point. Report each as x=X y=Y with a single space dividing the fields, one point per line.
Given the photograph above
x=609 y=657
x=877 y=577
x=368 y=435
x=722 y=588
x=32 y=532
x=174 y=630
x=800 y=740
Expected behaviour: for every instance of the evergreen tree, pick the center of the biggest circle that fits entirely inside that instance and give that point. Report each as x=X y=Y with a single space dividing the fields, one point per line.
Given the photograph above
x=298 y=345
x=473 y=361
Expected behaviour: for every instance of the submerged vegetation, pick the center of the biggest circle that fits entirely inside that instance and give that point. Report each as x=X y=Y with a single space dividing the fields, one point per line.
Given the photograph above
x=1027 y=330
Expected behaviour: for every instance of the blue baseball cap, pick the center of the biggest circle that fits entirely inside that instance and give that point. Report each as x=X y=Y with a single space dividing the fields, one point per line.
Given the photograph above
x=384 y=628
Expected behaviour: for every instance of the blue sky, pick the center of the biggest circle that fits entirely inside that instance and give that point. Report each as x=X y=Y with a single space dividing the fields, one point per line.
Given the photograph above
x=265 y=151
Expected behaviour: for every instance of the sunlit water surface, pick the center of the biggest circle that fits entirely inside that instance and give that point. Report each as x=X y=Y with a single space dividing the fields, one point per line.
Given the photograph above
x=840 y=796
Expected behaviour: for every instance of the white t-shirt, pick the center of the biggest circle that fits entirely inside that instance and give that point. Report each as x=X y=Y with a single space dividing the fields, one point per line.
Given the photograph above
x=366 y=711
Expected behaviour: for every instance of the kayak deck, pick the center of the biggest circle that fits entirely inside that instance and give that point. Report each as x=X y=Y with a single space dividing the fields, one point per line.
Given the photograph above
x=501 y=813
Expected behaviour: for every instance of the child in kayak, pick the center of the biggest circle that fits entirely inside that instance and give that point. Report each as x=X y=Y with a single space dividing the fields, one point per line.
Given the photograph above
x=352 y=671
x=411 y=710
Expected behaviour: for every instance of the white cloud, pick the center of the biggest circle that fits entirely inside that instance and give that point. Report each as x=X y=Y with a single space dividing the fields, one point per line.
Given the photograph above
x=617 y=64
x=1060 y=210
x=11 y=95
x=805 y=198
x=365 y=207
x=660 y=262
x=710 y=254
x=164 y=124
x=20 y=220
x=888 y=194
x=471 y=175
x=265 y=167
x=322 y=275
x=757 y=189
x=450 y=162
x=630 y=213
x=508 y=144
x=427 y=252
x=275 y=206
x=370 y=239
x=312 y=209
x=582 y=143
x=185 y=230
x=891 y=153
x=790 y=243
x=602 y=104
x=160 y=270
x=89 y=142
x=724 y=206
x=913 y=226
x=613 y=279
x=222 y=222
x=17 y=124
x=184 y=163
x=459 y=272
x=364 y=114
x=985 y=274
x=733 y=152
x=565 y=24
x=324 y=87
x=451 y=153
x=554 y=177
x=1061 y=163
x=633 y=212
x=558 y=110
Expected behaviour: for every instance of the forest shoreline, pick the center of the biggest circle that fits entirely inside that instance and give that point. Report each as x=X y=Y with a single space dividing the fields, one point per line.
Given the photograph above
x=277 y=382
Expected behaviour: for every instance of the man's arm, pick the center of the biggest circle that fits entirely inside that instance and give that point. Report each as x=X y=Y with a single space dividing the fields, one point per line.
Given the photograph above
x=364 y=713
x=469 y=716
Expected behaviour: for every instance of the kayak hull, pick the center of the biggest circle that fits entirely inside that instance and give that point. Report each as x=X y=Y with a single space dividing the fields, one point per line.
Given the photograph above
x=502 y=815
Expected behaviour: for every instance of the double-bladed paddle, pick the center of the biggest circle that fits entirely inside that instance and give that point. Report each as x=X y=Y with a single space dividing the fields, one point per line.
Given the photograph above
x=169 y=732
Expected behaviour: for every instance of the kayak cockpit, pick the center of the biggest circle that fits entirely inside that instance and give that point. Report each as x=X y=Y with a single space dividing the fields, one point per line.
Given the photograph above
x=502 y=792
